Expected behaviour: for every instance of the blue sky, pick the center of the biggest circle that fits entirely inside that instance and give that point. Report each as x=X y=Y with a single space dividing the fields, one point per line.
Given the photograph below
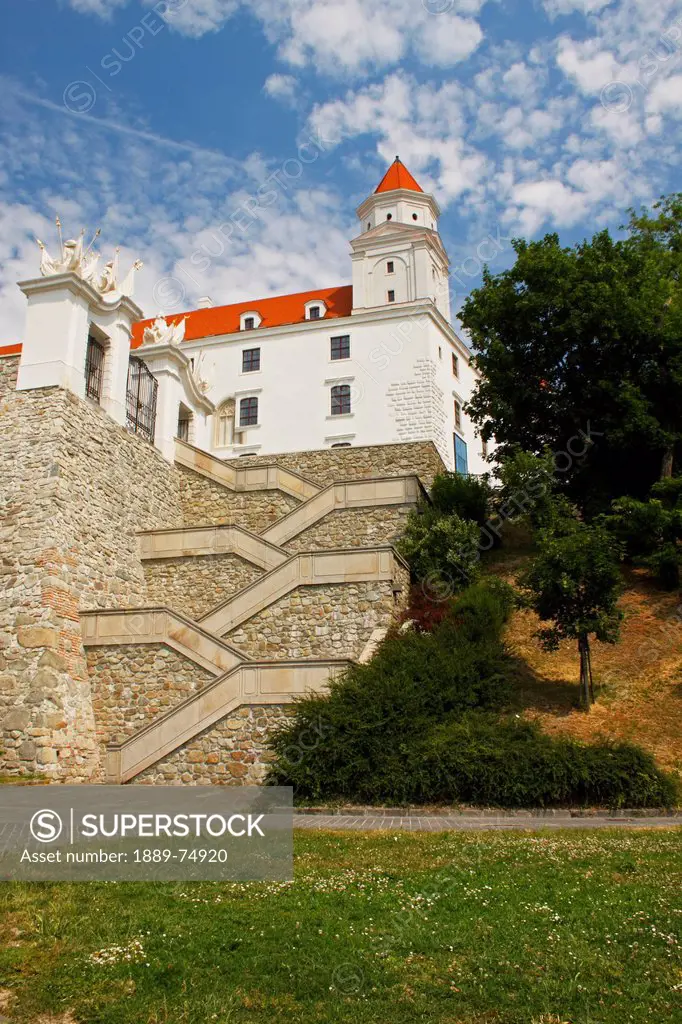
x=228 y=142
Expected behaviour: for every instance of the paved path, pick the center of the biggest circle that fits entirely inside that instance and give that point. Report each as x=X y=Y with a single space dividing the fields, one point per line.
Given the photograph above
x=471 y=823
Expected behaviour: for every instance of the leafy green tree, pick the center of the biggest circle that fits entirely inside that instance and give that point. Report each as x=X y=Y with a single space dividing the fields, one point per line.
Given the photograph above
x=574 y=583
x=443 y=550
x=529 y=490
x=580 y=351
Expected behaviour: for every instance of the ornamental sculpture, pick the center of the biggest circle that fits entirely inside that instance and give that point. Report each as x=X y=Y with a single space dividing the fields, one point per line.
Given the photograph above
x=75 y=258
x=160 y=332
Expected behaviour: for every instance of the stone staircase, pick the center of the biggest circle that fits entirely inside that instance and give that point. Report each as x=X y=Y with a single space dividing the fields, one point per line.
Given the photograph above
x=242 y=620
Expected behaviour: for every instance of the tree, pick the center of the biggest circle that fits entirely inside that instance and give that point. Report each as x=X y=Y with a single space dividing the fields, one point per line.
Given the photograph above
x=580 y=352
x=443 y=551
x=574 y=583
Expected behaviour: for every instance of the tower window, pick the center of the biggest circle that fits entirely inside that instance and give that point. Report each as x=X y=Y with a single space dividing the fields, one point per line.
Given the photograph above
x=455 y=365
x=248 y=412
x=250 y=360
x=314 y=313
x=414 y=216
x=340 y=347
x=391 y=296
x=369 y=224
x=341 y=400
x=390 y=269
x=458 y=415
x=249 y=323
x=389 y=216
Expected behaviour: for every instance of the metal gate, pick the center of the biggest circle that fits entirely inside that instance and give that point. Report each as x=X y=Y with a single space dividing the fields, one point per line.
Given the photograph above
x=141 y=399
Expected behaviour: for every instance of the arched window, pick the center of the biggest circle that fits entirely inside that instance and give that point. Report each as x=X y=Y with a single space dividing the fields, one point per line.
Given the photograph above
x=341 y=400
x=224 y=424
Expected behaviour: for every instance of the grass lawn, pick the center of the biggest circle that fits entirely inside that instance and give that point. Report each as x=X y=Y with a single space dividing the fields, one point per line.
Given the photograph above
x=527 y=928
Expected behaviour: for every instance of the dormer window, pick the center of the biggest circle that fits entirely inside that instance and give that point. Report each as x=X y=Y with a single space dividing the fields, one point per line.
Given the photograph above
x=249 y=320
x=315 y=309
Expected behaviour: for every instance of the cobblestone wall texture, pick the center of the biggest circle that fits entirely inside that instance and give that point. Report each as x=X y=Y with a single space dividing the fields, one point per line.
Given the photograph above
x=204 y=501
x=324 y=621
x=131 y=685
x=194 y=586
x=328 y=465
x=233 y=752
x=70 y=506
x=353 y=528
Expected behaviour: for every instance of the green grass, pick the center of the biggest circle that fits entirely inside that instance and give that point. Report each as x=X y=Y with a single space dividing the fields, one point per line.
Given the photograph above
x=529 y=928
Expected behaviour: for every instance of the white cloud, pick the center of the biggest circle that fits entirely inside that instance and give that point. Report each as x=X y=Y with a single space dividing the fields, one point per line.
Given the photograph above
x=592 y=68
x=666 y=96
x=444 y=41
x=280 y=87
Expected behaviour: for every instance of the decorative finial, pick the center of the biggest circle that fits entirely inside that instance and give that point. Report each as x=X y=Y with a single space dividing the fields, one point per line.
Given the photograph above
x=397 y=159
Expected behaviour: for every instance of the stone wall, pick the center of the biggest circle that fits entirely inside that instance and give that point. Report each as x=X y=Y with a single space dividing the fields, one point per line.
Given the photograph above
x=234 y=751
x=133 y=684
x=9 y=368
x=70 y=505
x=326 y=621
x=195 y=586
x=204 y=502
x=328 y=465
x=418 y=405
x=353 y=528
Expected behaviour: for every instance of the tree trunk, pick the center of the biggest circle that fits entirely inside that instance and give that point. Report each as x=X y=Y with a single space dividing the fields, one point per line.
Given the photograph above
x=667 y=463
x=586 y=689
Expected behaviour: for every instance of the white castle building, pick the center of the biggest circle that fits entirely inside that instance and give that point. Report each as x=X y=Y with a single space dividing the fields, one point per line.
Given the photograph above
x=373 y=362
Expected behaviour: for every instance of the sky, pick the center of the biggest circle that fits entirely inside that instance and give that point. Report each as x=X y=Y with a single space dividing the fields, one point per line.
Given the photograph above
x=227 y=143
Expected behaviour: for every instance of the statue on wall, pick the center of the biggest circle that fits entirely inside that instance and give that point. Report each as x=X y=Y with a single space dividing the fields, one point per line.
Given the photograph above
x=160 y=332
x=76 y=259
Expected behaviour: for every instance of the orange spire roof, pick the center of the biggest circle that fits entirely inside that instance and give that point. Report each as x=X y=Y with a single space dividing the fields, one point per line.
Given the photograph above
x=397 y=176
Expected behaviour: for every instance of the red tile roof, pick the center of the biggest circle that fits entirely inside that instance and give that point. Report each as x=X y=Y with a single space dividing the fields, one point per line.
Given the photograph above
x=10 y=350
x=275 y=312
x=397 y=176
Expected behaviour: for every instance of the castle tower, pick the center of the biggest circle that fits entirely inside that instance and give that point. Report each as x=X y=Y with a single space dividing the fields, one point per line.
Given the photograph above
x=399 y=257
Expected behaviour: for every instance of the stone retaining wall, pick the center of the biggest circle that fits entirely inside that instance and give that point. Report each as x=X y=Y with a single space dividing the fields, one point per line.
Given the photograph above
x=234 y=751
x=353 y=528
x=74 y=489
x=195 y=586
x=328 y=465
x=331 y=621
x=9 y=368
x=131 y=685
x=206 y=502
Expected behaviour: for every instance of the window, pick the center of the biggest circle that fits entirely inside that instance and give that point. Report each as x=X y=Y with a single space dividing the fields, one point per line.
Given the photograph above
x=414 y=216
x=391 y=296
x=341 y=347
x=389 y=216
x=341 y=400
x=249 y=323
x=248 y=412
x=458 y=414
x=141 y=393
x=455 y=365
x=94 y=369
x=314 y=312
x=389 y=267
x=484 y=448
x=368 y=225
x=250 y=360
x=184 y=423
x=461 y=462
x=224 y=424
x=440 y=352
x=341 y=444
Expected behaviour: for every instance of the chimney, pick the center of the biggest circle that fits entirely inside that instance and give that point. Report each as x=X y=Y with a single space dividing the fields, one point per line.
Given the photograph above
x=205 y=302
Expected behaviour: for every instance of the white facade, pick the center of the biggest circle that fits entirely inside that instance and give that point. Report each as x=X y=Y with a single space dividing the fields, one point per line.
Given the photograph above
x=375 y=363
x=407 y=373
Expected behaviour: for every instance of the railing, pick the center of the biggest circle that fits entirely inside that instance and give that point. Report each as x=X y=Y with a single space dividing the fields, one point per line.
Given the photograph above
x=94 y=370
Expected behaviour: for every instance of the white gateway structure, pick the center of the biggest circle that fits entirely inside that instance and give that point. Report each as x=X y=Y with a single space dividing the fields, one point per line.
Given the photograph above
x=375 y=362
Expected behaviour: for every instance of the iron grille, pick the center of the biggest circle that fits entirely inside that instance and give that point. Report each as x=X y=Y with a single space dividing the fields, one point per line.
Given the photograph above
x=141 y=393
x=94 y=369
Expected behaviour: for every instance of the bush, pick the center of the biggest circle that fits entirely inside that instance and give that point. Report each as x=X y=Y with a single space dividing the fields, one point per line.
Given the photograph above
x=350 y=742
x=442 y=550
x=468 y=497
x=665 y=565
x=668 y=492
x=650 y=530
x=482 y=760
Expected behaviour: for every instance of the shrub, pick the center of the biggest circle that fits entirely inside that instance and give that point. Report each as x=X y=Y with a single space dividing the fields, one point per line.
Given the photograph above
x=665 y=565
x=641 y=526
x=442 y=550
x=468 y=497
x=510 y=763
x=668 y=492
x=350 y=742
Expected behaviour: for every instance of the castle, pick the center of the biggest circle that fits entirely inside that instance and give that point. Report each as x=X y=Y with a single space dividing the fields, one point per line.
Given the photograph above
x=198 y=511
